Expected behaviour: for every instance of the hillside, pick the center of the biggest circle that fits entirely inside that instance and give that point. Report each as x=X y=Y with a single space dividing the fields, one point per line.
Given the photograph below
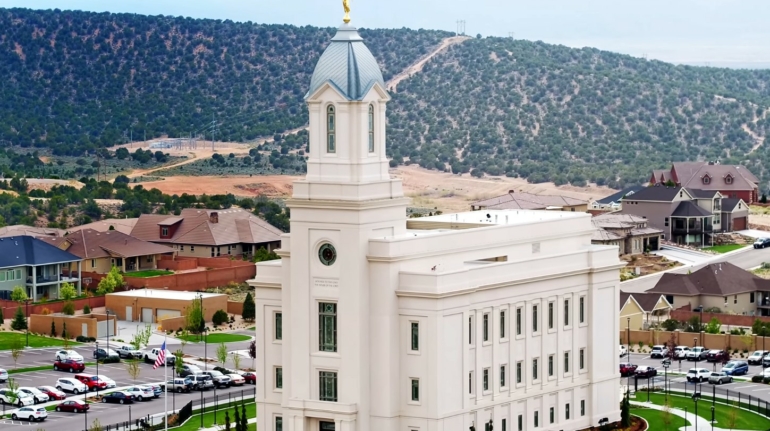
x=77 y=81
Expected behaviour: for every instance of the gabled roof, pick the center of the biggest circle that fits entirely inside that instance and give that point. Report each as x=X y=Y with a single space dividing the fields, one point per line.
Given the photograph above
x=20 y=229
x=661 y=175
x=646 y=301
x=716 y=279
x=730 y=204
x=124 y=225
x=92 y=244
x=527 y=201
x=616 y=197
x=195 y=226
x=689 y=209
x=656 y=194
x=691 y=175
x=30 y=251
x=703 y=194
x=600 y=234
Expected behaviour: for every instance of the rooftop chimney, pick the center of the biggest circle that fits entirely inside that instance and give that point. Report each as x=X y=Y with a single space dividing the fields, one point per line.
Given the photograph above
x=214 y=217
x=510 y=191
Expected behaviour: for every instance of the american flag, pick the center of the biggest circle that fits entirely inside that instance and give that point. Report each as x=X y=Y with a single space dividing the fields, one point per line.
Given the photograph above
x=161 y=356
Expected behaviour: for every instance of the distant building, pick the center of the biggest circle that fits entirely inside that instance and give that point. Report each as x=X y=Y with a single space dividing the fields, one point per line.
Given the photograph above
x=627 y=231
x=732 y=181
x=123 y=225
x=20 y=229
x=36 y=265
x=637 y=308
x=514 y=200
x=613 y=202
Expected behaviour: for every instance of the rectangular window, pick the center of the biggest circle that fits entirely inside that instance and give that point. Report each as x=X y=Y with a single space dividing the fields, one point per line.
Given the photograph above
x=582 y=358
x=18 y=274
x=566 y=411
x=566 y=312
x=415 y=390
x=485 y=327
x=521 y=423
x=470 y=330
x=537 y=419
x=279 y=326
x=278 y=423
x=181 y=248
x=485 y=380
x=735 y=300
x=518 y=321
x=328 y=386
x=213 y=254
x=502 y=376
x=534 y=318
x=502 y=323
x=93 y=263
x=566 y=362
x=504 y=427
x=751 y=297
x=550 y=315
x=415 y=336
x=550 y=365
x=327 y=327
x=534 y=369
x=582 y=407
x=665 y=222
x=518 y=372
x=2 y=276
x=552 y=414
x=164 y=231
x=278 y=377
x=470 y=383
x=192 y=248
x=582 y=309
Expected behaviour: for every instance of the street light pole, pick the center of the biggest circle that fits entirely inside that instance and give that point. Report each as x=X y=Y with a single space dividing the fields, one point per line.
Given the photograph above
x=628 y=350
x=697 y=354
x=96 y=354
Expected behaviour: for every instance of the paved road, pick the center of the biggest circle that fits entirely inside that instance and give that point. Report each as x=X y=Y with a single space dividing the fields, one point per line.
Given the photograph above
x=745 y=258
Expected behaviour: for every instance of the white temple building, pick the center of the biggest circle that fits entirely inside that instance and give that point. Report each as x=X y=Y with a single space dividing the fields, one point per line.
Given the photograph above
x=372 y=321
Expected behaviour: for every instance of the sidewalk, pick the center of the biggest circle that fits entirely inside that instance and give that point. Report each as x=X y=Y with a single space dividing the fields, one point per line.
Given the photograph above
x=222 y=427
x=702 y=424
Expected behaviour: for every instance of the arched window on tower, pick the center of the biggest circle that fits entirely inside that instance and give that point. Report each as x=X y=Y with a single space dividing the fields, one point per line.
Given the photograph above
x=330 y=143
x=371 y=128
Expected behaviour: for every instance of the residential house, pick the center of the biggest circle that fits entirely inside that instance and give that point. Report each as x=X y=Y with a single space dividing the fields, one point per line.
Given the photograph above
x=718 y=285
x=614 y=201
x=735 y=215
x=101 y=251
x=636 y=309
x=33 y=263
x=38 y=232
x=627 y=231
x=209 y=233
x=514 y=200
x=732 y=181
x=124 y=225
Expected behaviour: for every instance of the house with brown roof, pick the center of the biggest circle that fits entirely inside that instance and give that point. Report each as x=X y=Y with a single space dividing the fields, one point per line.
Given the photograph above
x=124 y=225
x=637 y=310
x=514 y=200
x=718 y=285
x=627 y=231
x=101 y=251
x=37 y=232
x=209 y=233
x=732 y=181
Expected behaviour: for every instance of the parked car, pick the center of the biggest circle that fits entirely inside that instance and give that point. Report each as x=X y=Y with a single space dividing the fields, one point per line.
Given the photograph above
x=32 y=414
x=761 y=377
x=720 y=378
x=53 y=393
x=766 y=361
x=69 y=365
x=717 y=356
x=20 y=399
x=646 y=372
x=236 y=379
x=140 y=393
x=69 y=354
x=3 y=375
x=762 y=242
x=189 y=370
x=202 y=382
x=107 y=381
x=178 y=384
x=659 y=351
x=152 y=355
x=91 y=381
x=680 y=352
x=128 y=352
x=75 y=406
x=756 y=357
x=698 y=374
x=736 y=368
x=697 y=354
x=71 y=385
x=251 y=378
x=220 y=379
x=156 y=389
x=37 y=395
x=623 y=350
x=627 y=368
x=102 y=353
x=119 y=397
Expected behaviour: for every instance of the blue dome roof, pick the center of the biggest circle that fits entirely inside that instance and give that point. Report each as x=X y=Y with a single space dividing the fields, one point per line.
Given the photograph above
x=348 y=64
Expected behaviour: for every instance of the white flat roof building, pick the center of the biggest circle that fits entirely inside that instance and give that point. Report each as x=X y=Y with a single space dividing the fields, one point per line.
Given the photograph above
x=166 y=294
x=372 y=321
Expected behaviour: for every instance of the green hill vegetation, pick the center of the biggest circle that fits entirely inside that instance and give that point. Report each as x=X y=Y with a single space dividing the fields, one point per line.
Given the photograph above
x=74 y=82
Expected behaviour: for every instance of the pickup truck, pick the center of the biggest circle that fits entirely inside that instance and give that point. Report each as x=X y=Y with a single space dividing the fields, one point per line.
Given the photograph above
x=128 y=352
x=152 y=355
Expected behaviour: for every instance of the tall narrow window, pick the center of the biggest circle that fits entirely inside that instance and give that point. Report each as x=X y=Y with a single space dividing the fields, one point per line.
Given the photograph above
x=534 y=369
x=371 y=128
x=582 y=407
x=534 y=318
x=552 y=415
x=328 y=386
x=470 y=383
x=278 y=423
x=566 y=362
x=566 y=312
x=521 y=423
x=331 y=146
x=518 y=372
x=415 y=390
x=415 y=336
x=582 y=358
x=582 y=309
x=279 y=326
x=550 y=365
x=486 y=379
x=327 y=327
x=566 y=411
x=279 y=378
x=504 y=427
x=518 y=321
x=550 y=315
x=537 y=419
x=470 y=330
x=486 y=327
x=502 y=376
x=502 y=323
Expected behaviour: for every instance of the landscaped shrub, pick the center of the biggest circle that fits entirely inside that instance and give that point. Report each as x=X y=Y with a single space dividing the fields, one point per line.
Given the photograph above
x=69 y=308
x=219 y=317
x=19 y=321
x=86 y=309
x=45 y=311
x=757 y=378
x=110 y=360
x=249 y=308
x=81 y=339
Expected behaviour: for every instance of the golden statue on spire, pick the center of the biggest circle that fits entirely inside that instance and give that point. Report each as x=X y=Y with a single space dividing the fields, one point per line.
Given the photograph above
x=346 y=7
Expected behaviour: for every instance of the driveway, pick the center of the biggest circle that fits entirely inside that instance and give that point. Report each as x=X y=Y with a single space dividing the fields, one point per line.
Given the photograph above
x=685 y=256
x=754 y=233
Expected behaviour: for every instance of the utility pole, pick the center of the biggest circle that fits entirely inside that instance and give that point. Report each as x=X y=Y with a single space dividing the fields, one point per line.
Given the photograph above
x=213 y=126
x=512 y=35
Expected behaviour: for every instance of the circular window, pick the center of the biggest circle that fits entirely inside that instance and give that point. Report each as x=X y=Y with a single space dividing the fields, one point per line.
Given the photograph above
x=327 y=254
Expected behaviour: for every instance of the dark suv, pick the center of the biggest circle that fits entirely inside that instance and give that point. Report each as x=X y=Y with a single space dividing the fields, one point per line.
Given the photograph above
x=717 y=356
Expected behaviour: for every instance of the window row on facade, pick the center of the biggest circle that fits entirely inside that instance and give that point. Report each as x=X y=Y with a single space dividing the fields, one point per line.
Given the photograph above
x=535 y=375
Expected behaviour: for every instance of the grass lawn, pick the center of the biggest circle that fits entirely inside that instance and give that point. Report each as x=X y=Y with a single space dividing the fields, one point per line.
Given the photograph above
x=7 y=341
x=216 y=338
x=745 y=420
x=725 y=248
x=194 y=423
x=655 y=419
x=253 y=328
x=149 y=273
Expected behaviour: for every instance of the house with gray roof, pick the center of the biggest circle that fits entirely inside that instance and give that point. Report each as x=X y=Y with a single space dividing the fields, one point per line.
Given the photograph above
x=614 y=201
x=732 y=181
x=36 y=266
x=630 y=233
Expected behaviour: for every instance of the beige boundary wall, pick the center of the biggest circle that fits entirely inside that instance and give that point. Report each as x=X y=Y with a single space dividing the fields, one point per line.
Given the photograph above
x=41 y=324
x=710 y=341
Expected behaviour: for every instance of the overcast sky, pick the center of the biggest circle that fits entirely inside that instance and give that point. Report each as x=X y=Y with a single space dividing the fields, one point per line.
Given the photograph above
x=733 y=33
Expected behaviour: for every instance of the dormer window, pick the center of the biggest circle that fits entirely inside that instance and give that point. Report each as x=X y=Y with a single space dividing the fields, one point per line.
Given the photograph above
x=164 y=231
x=371 y=128
x=706 y=179
x=330 y=138
x=729 y=179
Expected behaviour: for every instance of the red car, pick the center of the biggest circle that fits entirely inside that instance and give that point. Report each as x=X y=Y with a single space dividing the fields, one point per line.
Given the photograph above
x=717 y=356
x=627 y=369
x=72 y=406
x=53 y=393
x=251 y=378
x=91 y=381
x=69 y=365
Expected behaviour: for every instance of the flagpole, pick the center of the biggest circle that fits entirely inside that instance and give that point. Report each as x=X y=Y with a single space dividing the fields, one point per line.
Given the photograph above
x=165 y=378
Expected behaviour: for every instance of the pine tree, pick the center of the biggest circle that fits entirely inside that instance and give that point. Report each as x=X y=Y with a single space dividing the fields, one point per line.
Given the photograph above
x=227 y=421
x=237 y=419
x=64 y=330
x=625 y=416
x=244 y=419
x=2 y=318
x=53 y=329
x=19 y=321
x=249 y=309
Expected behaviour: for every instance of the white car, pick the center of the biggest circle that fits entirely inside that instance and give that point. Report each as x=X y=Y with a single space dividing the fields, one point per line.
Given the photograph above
x=152 y=355
x=623 y=350
x=659 y=351
x=756 y=357
x=698 y=374
x=697 y=354
x=20 y=399
x=680 y=352
x=35 y=393
x=236 y=379
x=3 y=375
x=32 y=414
x=110 y=383
x=69 y=354
x=71 y=385
x=140 y=393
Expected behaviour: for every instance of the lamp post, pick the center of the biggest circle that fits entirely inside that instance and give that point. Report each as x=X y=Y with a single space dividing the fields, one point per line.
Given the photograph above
x=96 y=355
x=697 y=354
x=695 y=398
x=666 y=364
x=628 y=349
x=108 y=330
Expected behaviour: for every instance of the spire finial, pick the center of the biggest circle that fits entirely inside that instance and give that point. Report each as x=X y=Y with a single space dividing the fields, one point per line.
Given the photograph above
x=346 y=7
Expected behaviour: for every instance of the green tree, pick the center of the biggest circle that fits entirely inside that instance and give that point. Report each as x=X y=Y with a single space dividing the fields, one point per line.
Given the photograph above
x=670 y=325
x=236 y=361
x=133 y=368
x=222 y=353
x=142 y=337
x=262 y=255
x=194 y=320
x=67 y=291
x=68 y=308
x=2 y=318
x=53 y=329
x=625 y=412
x=219 y=317
x=19 y=321
x=65 y=335
x=249 y=308
x=17 y=349
x=237 y=419
x=110 y=282
x=244 y=418
x=19 y=294
x=714 y=326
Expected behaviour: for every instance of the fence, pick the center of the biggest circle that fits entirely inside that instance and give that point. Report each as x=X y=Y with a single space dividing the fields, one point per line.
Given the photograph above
x=723 y=318
x=680 y=338
x=9 y=307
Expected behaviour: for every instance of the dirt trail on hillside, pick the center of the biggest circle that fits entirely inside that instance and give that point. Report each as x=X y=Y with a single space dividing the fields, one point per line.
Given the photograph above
x=759 y=140
x=392 y=84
